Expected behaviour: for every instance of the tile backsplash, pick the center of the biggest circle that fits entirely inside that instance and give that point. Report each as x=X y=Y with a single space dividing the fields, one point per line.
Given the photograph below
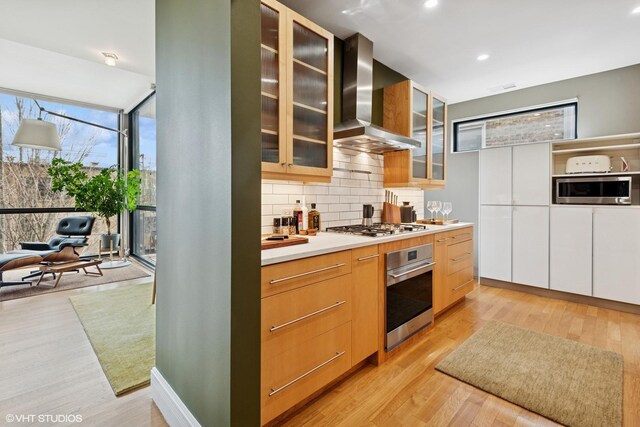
x=340 y=201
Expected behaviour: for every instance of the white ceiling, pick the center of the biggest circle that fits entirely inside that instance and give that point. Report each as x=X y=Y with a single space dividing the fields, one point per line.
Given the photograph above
x=54 y=48
x=529 y=43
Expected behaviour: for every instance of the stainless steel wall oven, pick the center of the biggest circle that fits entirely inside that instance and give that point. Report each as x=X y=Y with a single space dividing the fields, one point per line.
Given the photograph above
x=409 y=292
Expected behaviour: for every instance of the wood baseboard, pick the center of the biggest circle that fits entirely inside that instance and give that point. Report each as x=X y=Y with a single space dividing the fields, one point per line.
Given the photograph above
x=565 y=296
x=175 y=413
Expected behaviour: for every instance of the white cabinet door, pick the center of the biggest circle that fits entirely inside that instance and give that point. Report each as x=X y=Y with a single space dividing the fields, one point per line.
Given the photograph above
x=531 y=174
x=616 y=254
x=571 y=250
x=495 y=176
x=530 y=247
x=495 y=242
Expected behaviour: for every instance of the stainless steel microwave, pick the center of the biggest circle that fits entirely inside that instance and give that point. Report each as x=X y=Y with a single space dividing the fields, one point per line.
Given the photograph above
x=597 y=190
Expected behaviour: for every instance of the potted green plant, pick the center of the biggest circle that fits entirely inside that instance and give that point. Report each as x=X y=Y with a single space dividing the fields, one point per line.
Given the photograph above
x=107 y=193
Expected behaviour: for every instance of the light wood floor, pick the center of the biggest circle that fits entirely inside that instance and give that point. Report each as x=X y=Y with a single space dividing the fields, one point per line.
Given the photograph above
x=47 y=366
x=408 y=391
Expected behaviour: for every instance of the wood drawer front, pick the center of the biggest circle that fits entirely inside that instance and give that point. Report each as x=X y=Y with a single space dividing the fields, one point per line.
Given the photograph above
x=323 y=359
x=290 y=275
x=460 y=235
x=458 y=282
x=292 y=317
x=459 y=256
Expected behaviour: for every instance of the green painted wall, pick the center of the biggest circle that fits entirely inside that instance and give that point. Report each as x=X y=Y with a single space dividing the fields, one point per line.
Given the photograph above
x=246 y=157
x=208 y=305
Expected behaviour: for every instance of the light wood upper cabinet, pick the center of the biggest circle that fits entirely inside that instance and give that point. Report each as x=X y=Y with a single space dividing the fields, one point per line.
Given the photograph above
x=414 y=111
x=297 y=92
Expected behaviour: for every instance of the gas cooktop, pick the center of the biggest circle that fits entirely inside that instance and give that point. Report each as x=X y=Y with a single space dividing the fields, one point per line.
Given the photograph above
x=376 y=230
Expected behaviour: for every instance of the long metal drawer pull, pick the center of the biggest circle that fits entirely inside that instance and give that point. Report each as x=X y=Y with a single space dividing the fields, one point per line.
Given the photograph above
x=309 y=372
x=306 y=316
x=466 y=254
x=461 y=286
x=295 y=276
x=395 y=276
x=364 y=258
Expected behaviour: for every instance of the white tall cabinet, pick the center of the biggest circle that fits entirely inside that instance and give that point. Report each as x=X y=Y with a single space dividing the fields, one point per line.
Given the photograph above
x=495 y=176
x=514 y=214
x=531 y=170
x=495 y=242
x=530 y=246
x=616 y=254
x=571 y=249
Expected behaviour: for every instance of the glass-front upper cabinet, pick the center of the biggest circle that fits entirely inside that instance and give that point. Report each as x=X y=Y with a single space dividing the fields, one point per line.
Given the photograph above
x=297 y=90
x=273 y=88
x=412 y=110
x=438 y=153
x=419 y=124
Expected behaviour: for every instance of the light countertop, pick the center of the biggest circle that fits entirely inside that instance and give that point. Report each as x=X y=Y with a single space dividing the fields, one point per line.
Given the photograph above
x=325 y=243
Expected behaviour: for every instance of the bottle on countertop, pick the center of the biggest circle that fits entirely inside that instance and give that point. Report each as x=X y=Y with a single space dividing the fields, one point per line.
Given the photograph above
x=297 y=214
x=305 y=215
x=314 y=217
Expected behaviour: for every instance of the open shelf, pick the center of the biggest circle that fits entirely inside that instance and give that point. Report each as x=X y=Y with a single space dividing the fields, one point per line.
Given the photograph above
x=578 y=175
x=599 y=148
x=270 y=132
x=311 y=67
x=268 y=95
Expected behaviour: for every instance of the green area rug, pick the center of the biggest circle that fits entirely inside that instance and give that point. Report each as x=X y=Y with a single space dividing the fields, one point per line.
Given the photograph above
x=572 y=383
x=120 y=324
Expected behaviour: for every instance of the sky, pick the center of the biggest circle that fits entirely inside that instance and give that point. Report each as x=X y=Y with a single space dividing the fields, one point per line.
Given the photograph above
x=104 y=143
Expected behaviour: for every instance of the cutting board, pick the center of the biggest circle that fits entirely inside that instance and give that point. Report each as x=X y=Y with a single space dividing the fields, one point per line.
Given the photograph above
x=292 y=240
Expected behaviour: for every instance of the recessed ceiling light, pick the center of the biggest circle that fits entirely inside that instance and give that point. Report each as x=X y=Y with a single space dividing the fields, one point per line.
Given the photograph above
x=431 y=3
x=110 y=58
x=636 y=10
x=483 y=57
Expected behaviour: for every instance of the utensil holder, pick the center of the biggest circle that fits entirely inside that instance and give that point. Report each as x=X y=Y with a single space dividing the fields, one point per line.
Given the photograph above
x=390 y=213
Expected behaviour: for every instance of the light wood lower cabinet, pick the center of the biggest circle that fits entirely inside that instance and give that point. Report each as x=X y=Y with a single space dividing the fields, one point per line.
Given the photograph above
x=453 y=272
x=319 y=318
x=323 y=315
x=291 y=318
x=295 y=374
x=364 y=331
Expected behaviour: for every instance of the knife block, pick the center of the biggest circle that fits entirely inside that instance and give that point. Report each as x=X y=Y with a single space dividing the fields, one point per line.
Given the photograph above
x=390 y=213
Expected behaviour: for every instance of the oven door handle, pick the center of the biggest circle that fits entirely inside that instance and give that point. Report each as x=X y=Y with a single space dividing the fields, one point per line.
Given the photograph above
x=415 y=270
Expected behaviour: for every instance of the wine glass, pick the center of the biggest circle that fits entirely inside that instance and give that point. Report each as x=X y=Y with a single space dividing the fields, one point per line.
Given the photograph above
x=437 y=206
x=431 y=208
x=447 y=207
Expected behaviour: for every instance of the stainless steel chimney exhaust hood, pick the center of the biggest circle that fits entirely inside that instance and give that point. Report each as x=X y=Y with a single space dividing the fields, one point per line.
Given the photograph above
x=356 y=131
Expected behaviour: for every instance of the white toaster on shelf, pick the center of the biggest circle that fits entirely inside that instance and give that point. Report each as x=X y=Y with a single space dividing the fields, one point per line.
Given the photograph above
x=589 y=164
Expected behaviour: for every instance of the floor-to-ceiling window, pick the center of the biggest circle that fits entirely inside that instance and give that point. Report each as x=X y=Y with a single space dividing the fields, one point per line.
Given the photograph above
x=143 y=157
x=29 y=209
